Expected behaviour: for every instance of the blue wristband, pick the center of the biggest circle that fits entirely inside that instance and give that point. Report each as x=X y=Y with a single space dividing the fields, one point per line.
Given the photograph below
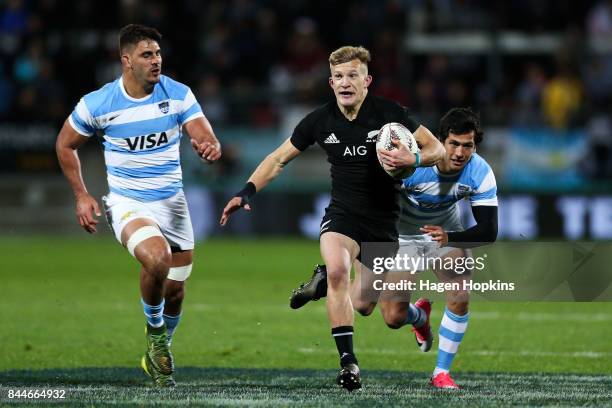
x=417 y=162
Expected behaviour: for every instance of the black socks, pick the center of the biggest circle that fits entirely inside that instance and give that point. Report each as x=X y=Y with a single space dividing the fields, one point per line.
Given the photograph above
x=343 y=335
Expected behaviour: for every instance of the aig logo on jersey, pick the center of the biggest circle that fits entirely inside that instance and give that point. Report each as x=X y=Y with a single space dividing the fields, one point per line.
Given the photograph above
x=147 y=141
x=355 y=151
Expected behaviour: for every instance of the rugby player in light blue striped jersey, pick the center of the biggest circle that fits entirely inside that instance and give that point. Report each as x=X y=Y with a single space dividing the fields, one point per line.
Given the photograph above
x=430 y=214
x=141 y=117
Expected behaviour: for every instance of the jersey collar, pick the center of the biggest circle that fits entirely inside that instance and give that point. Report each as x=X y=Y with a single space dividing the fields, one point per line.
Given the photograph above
x=364 y=111
x=128 y=97
x=451 y=175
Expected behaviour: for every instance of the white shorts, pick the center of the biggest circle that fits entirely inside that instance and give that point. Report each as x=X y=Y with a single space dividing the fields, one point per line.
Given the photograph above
x=423 y=250
x=171 y=216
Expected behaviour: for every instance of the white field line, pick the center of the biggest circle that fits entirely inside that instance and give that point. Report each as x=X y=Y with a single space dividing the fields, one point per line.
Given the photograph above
x=320 y=308
x=525 y=353
x=542 y=316
x=538 y=353
x=476 y=315
x=565 y=317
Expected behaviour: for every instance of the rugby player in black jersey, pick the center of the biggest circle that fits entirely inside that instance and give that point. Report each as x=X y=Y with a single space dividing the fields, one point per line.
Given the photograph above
x=364 y=199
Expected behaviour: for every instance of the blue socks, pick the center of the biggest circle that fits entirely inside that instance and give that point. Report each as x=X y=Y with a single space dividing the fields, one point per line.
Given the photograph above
x=156 y=318
x=153 y=313
x=171 y=323
x=451 y=332
x=416 y=316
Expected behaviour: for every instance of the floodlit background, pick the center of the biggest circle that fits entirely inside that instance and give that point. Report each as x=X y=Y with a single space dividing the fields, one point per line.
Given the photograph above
x=539 y=72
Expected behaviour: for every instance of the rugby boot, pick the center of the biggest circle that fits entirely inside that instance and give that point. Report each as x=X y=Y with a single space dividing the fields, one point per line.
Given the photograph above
x=314 y=289
x=349 y=377
x=443 y=380
x=423 y=335
x=160 y=380
x=158 y=353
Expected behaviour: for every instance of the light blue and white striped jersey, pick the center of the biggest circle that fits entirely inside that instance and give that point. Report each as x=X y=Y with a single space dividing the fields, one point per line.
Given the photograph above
x=429 y=197
x=141 y=136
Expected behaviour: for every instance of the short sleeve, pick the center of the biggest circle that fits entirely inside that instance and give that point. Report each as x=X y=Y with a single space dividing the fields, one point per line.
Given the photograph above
x=304 y=134
x=81 y=119
x=486 y=192
x=190 y=109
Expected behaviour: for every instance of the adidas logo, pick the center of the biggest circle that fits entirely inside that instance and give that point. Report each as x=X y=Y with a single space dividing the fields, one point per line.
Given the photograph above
x=331 y=139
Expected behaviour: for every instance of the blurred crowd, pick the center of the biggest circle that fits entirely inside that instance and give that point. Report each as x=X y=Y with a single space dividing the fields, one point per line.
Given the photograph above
x=247 y=59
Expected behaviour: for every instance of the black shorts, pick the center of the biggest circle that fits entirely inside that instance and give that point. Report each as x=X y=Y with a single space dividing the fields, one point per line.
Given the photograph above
x=363 y=230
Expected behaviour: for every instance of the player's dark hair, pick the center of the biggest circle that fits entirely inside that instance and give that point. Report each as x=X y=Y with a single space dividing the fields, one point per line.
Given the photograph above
x=132 y=34
x=460 y=121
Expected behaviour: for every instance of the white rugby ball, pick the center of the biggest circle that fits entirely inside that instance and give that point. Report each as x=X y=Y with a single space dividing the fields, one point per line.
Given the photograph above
x=399 y=132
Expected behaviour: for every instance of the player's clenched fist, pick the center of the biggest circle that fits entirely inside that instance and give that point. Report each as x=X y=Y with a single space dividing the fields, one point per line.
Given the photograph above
x=209 y=152
x=436 y=233
x=398 y=158
x=86 y=207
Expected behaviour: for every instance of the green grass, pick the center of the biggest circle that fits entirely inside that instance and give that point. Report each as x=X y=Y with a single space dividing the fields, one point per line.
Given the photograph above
x=284 y=387
x=69 y=304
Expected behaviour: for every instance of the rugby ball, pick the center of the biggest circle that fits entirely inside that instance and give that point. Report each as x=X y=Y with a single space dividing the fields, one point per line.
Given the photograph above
x=399 y=132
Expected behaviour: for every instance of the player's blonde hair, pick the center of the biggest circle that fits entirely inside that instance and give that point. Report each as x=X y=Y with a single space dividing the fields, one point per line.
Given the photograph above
x=349 y=53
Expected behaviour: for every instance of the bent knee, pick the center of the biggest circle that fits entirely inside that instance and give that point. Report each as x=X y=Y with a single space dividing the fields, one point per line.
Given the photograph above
x=175 y=293
x=395 y=320
x=156 y=260
x=394 y=324
x=337 y=277
x=364 y=309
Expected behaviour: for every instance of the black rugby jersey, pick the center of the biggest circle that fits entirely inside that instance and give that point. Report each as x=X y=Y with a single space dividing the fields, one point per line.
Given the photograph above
x=359 y=184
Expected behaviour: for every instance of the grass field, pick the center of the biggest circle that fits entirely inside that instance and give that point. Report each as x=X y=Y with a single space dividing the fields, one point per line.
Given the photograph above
x=72 y=319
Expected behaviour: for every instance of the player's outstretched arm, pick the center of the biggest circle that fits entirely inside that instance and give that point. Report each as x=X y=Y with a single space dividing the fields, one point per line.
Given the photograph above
x=68 y=141
x=432 y=151
x=203 y=139
x=267 y=171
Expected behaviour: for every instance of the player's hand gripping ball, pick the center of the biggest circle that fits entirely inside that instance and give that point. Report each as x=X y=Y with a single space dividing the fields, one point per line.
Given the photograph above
x=396 y=131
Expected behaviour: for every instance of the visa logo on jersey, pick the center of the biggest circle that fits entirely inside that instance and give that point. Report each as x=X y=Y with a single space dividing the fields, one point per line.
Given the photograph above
x=147 y=141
